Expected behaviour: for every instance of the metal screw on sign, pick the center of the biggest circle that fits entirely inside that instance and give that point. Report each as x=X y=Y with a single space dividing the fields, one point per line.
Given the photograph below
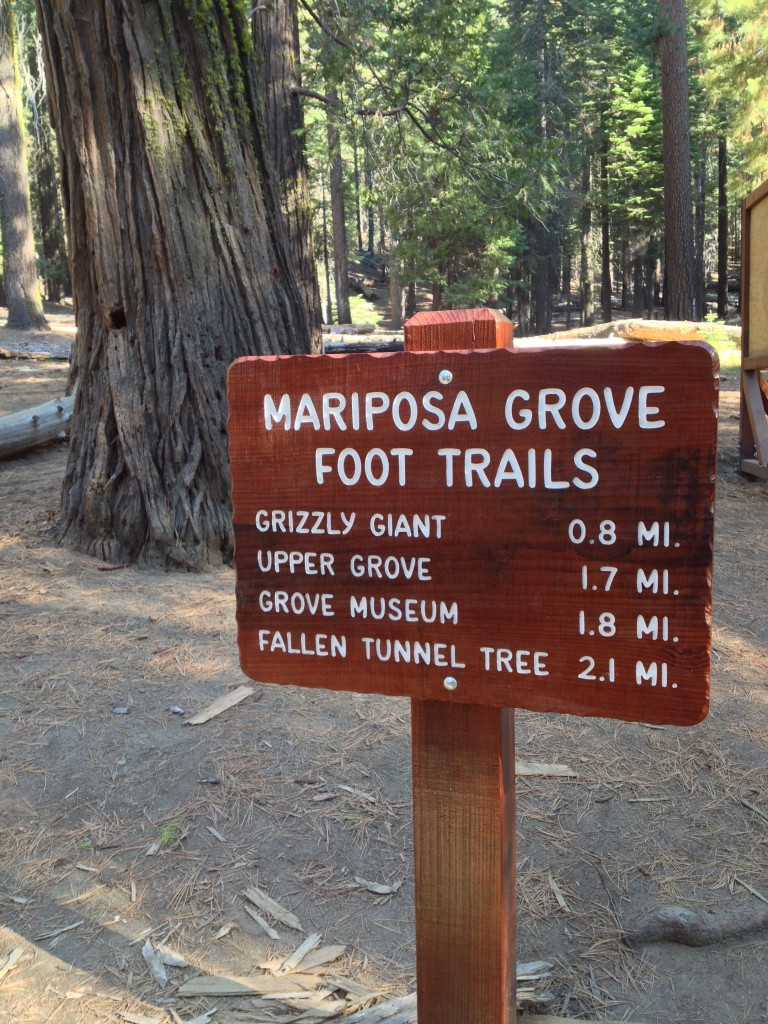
x=450 y=683
x=445 y=376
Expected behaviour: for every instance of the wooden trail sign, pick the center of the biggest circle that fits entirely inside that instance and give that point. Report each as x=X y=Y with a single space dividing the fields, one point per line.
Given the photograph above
x=753 y=422
x=478 y=530
x=406 y=519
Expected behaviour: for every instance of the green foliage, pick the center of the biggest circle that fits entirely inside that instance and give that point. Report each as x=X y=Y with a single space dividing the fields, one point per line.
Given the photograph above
x=725 y=344
x=487 y=133
x=493 y=130
x=363 y=311
x=734 y=43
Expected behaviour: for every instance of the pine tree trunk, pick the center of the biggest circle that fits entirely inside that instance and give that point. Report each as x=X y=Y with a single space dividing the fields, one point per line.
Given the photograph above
x=722 y=229
x=542 y=248
x=327 y=261
x=181 y=262
x=606 y=285
x=358 y=208
x=567 y=275
x=410 y=300
x=368 y=177
x=523 y=299
x=395 y=288
x=638 y=294
x=700 y=228
x=338 y=216
x=587 y=317
x=47 y=197
x=678 y=213
x=276 y=38
x=22 y=291
x=45 y=193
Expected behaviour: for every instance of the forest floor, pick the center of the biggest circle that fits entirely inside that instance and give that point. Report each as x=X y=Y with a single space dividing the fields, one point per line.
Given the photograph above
x=119 y=822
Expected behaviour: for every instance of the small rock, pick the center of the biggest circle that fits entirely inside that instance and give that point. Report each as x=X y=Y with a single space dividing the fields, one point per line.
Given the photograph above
x=176 y=710
x=119 y=711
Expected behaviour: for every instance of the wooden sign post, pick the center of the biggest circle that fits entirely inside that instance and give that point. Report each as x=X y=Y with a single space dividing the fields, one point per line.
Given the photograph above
x=478 y=531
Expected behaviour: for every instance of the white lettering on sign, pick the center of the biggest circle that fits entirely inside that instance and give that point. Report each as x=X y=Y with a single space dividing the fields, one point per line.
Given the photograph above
x=586 y=409
x=304 y=522
x=656 y=674
x=656 y=535
x=311 y=563
x=409 y=609
x=655 y=581
x=283 y=603
x=411 y=652
x=334 y=410
x=656 y=627
x=571 y=509
x=477 y=466
x=351 y=467
x=521 y=663
x=323 y=645
x=391 y=567
x=549 y=409
x=391 y=525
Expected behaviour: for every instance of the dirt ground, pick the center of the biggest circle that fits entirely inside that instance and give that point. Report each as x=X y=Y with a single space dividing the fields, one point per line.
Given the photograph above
x=119 y=822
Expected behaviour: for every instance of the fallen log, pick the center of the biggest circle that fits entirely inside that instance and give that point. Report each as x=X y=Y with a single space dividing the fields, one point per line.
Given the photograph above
x=689 y=928
x=29 y=428
x=648 y=330
x=348 y=328
x=360 y=288
x=13 y=353
x=381 y=343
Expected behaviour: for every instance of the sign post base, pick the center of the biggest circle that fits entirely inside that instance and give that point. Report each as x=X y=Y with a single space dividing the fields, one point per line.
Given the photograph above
x=402 y=517
x=464 y=845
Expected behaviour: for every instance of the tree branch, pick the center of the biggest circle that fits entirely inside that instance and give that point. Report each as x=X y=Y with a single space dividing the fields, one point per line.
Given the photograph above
x=323 y=26
x=360 y=111
x=312 y=94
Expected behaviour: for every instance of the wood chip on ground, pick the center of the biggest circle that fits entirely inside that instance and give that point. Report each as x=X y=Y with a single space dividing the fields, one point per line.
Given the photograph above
x=221 y=704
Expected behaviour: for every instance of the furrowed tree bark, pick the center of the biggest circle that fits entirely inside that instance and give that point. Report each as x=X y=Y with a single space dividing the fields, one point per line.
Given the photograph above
x=276 y=37
x=675 y=116
x=181 y=262
x=22 y=291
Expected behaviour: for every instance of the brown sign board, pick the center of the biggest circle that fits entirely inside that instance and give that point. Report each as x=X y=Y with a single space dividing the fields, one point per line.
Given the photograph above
x=525 y=529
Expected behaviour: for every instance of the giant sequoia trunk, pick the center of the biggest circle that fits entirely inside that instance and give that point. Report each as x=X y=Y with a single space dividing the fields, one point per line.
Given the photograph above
x=22 y=292
x=181 y=262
